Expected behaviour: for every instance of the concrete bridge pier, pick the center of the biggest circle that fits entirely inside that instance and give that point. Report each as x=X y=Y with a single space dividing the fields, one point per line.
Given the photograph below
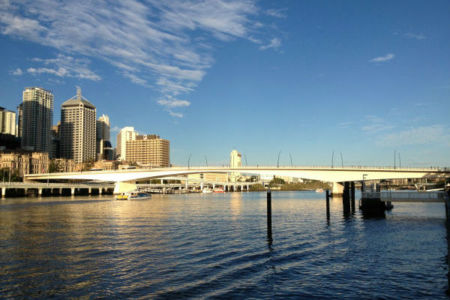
x=3 y=192
x=100 y=191
x=72 y=191
x=337 y=189
x=40 y=192
x=89 y=191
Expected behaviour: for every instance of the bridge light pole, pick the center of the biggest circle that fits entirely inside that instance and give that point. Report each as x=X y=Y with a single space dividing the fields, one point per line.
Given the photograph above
x=395 y=158
x=278 y=160
x=189 y=160
x=332 y=159
x=290 y=156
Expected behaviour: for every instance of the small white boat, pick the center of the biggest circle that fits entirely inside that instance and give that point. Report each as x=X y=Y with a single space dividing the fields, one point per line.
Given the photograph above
x=206 y=191
x=319 y=190
x=133 y=196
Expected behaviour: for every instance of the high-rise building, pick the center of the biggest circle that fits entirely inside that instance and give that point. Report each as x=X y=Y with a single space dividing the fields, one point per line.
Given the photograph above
x=103 y=128
x=36 y=119
x=235 y=162
x=149 y=150
x=125 y=134
x=78 y=129
x=104 y=148
x=7 y=122
x=56 y=142
x=19 y=120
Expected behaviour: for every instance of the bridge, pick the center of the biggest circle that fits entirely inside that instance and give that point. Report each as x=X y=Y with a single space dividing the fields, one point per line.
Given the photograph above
x=126 y=179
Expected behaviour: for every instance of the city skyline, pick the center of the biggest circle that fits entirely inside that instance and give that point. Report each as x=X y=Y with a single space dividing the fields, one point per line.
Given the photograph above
x=308 y=79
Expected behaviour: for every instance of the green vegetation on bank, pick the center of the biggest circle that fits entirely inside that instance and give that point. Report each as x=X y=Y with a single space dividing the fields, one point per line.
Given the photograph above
x=280 y=184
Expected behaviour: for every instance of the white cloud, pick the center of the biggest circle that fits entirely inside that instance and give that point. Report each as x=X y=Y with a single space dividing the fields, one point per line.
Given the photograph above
x=164 y=42
x=277 y=13
x=175 y=114
x=17 y=72
x=416 y=36
x=416 y=136
x=275 y=43
x=174 y=103
x=64 y=66
x=375 y=124
x=387 y=57
x=115 y=129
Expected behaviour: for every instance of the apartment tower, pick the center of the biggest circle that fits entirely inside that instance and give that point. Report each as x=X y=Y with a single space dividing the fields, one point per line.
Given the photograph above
x=78 y=129
x=149 y=150
x=125 y=134
x=36 y=119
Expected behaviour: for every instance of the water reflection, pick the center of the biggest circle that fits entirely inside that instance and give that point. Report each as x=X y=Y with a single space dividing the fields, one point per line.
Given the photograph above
x=184 y=246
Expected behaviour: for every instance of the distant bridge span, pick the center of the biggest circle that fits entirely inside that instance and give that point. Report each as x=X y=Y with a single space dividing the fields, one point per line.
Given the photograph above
x=336 y=175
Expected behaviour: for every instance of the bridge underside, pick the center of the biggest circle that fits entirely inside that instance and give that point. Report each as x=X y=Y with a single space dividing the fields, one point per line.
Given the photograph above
x=322 y=174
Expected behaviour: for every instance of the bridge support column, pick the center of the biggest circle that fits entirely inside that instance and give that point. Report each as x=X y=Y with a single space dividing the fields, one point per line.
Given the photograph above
x=72 y=191
x=248 y=187
x=201 y=186
x=100 y=191
x=89 y=191
x=337 y=190
x=40 y=192
x=242 y=188
x=3 y=192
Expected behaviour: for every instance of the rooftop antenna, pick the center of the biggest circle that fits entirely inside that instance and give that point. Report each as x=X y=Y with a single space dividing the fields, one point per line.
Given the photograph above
x=78 y=93
x=290 y=156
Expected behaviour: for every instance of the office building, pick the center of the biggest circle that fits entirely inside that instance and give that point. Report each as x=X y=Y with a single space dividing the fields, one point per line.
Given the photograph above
x=125 y=134
x=7 y=122
x=148 y=150
x=235 y=162
x=104 y=148
x=36 y=117
x=78 y=129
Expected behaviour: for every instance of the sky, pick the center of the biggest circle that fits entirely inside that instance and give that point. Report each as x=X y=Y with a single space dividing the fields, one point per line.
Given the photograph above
x=312 y=82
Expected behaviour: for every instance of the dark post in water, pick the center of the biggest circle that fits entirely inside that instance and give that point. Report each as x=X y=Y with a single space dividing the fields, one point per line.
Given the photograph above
x=269 y=217
x=328 y=205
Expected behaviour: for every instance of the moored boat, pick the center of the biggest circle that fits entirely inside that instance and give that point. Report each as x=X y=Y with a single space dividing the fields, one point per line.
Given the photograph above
x=133 y=196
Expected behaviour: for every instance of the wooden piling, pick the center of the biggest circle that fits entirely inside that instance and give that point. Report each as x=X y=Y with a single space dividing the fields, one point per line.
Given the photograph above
x=269 y=217
x=328 y=204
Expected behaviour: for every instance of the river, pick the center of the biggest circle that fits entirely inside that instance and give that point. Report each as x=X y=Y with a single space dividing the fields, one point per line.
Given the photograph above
x=217 y=246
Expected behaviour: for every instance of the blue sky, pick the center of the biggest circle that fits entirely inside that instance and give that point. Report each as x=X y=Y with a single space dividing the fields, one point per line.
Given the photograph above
x=361 y=78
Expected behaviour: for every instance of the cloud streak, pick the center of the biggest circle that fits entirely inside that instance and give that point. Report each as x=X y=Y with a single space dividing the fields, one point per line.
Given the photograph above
x=166 y=45
x=275 y=43
x=422 y=135
x=385 y=58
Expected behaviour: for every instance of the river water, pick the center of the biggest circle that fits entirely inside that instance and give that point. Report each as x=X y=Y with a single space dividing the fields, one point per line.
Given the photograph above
x=217 y=246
